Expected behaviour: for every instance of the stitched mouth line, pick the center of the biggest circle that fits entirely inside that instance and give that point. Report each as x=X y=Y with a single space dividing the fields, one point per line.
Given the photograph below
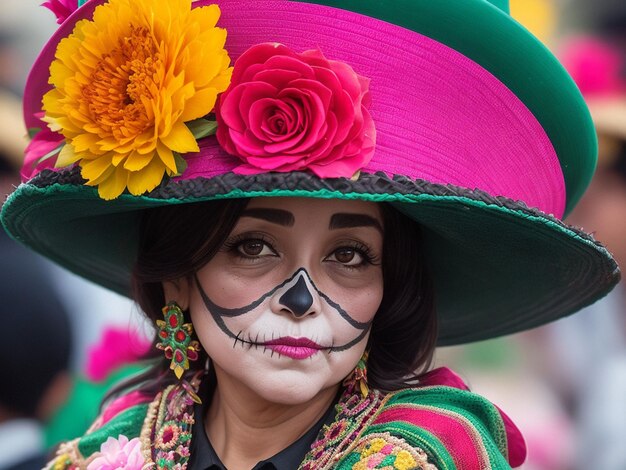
x=253 y=342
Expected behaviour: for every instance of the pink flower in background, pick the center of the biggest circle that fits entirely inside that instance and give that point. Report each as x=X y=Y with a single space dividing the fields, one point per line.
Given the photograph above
x=596 y=66
x=116 y=454
x=61 y=8
x=117 y=347
x=286 y=111
x=44 y=142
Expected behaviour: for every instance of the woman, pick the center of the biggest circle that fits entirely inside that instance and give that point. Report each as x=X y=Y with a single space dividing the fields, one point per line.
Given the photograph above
x=303 y=227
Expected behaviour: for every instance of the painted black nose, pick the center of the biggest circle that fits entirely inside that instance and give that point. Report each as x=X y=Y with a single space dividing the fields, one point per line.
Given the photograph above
x=297 y=299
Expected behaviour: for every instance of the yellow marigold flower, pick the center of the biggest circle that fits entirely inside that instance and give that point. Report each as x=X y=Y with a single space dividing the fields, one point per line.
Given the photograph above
x=126 y=83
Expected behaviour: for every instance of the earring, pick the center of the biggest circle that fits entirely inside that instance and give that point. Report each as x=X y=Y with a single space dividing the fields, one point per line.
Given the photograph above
x=175 y=339
x=359 y=376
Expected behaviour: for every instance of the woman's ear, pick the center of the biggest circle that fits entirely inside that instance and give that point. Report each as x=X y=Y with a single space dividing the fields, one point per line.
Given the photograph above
x=177 y=291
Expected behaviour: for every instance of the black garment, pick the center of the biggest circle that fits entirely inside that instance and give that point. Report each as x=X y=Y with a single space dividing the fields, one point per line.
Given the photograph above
x=204 y=457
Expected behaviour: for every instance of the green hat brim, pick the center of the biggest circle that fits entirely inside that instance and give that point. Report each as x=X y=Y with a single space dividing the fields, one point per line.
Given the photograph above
x=498 y=266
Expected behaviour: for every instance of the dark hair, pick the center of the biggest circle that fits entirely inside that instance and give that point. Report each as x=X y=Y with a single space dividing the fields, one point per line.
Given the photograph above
x=176 y=241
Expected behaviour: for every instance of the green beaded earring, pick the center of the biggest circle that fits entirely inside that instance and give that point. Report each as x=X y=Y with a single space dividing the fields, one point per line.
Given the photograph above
x=175 y=339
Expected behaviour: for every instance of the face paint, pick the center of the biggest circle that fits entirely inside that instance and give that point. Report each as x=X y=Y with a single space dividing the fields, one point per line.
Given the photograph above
x=285 y=307
x=298 y=300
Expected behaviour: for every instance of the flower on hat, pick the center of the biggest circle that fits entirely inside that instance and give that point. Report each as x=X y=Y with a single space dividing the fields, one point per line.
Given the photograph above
x=61 y=8
x=39 y=152
x=128 y=83
x=120 y=453
x=287 y=111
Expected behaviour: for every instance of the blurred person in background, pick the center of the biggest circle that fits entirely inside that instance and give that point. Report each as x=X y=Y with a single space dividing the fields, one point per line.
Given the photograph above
x=35 y=351
x=24 y=28
x=71 y=404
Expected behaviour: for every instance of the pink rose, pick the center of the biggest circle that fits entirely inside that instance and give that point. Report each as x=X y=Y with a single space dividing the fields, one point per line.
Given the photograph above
x=119 y=453
x=61 y=8
x=44 y=142
x=289 y=112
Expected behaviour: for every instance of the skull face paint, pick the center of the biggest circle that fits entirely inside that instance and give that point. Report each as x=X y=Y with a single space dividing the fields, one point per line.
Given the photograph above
x=285 y=307
x=295 y=296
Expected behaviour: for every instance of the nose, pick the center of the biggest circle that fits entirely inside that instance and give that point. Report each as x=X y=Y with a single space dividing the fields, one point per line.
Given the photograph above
x=298 y=299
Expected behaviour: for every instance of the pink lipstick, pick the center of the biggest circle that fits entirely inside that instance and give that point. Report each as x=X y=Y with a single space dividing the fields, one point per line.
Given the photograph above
x=295 y=348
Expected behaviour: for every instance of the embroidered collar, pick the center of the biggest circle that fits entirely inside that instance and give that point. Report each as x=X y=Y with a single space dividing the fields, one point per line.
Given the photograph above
x=170 y=422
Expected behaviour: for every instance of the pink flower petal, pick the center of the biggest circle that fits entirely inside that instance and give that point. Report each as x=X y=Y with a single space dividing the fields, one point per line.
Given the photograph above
x=44 y=142
x=61 y=8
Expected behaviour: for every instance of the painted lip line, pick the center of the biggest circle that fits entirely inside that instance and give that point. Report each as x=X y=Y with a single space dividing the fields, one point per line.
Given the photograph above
x=295 y=348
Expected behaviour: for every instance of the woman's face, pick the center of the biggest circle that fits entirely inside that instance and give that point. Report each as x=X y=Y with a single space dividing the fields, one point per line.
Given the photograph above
x=286 y=305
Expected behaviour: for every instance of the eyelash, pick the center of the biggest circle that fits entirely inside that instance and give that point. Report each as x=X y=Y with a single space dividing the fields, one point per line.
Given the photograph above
x=363 y=250
x=232 y=246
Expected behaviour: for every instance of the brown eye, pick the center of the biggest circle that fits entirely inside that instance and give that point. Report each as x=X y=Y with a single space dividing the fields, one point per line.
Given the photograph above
x=347 y=256
x=254 y=247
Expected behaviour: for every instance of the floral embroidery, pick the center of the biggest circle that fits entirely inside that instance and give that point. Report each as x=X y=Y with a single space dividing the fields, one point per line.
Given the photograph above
x=168 y=425
x=127 y=87
x=288 y=111
x=384 y=451
x=62 y=462
x=354 y=412
x=118 y=453
x=67 y=457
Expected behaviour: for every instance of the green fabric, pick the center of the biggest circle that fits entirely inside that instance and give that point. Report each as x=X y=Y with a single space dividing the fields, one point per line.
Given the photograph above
x=491 y=38
x=481 y=414
x=83 y=405
x=501 y=4
x=128 y=423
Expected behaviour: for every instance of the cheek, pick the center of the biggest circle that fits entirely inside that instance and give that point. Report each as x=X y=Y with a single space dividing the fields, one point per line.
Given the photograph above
x=232 y=288
x=362 y=302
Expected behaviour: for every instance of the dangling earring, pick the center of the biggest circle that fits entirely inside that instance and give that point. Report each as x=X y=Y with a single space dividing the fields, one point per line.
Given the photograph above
x=359 y=376
x=175 y=339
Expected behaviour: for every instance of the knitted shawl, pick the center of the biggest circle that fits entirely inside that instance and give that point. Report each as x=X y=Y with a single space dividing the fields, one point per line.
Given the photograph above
x=438 y=425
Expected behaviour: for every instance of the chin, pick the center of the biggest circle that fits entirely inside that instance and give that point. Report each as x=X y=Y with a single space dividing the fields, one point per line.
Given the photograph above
x=294 y=392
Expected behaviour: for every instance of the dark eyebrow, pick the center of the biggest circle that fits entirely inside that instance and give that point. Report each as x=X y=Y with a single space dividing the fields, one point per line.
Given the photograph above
x=354 y=220
x=275 y=216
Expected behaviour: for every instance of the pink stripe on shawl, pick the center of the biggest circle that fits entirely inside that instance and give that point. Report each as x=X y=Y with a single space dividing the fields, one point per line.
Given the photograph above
x=516 y=445
x=455 y=435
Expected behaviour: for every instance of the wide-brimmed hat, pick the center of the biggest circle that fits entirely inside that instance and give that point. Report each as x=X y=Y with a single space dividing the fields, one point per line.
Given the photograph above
x=448 y=110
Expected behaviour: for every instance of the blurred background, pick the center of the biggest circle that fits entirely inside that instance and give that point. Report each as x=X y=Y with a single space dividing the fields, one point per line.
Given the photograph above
x=563 y=384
